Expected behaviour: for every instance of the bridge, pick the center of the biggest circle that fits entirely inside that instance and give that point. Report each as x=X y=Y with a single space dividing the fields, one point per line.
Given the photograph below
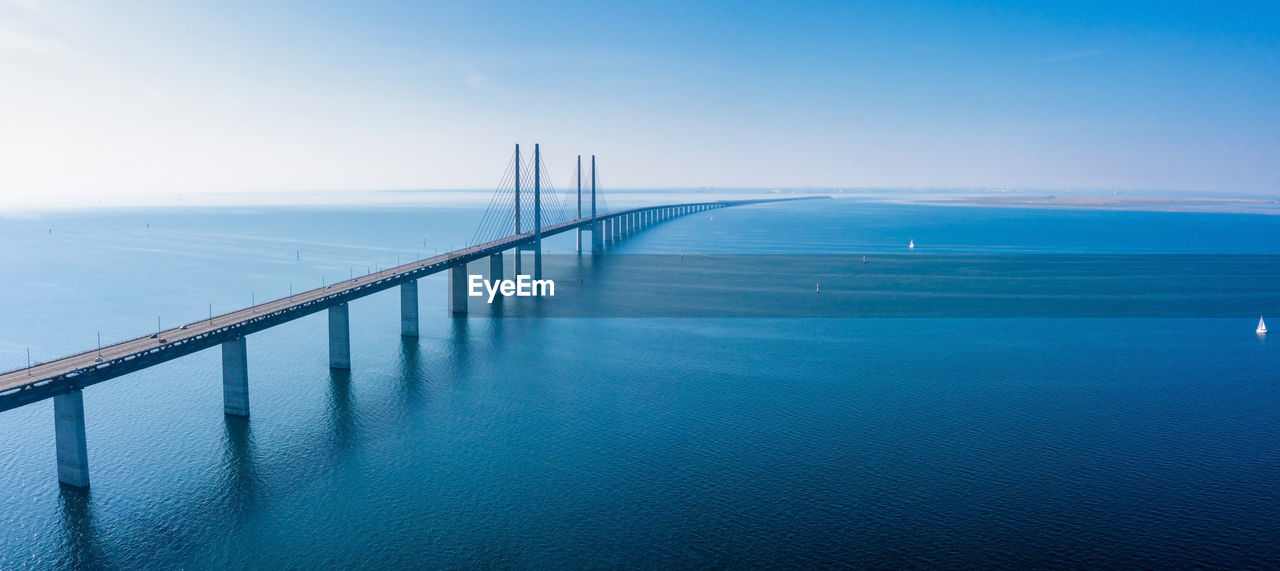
x=64 y=379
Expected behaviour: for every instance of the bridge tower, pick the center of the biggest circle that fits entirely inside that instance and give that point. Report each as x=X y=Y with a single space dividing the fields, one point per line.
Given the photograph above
x=597 y=245
x=516 y=252
x=537 y=213
x=579 y=217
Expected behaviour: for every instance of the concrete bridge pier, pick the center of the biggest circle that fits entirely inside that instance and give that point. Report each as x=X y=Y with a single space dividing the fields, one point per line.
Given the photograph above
x=235 y=378
x=495 y=267
x=597 y=241
x=339 y=337
x=409 y=309
x=458 y=289
x=68 y=427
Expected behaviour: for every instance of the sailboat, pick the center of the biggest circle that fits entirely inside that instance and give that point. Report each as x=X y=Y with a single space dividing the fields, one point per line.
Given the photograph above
x=1262 y=326
x=912 y=243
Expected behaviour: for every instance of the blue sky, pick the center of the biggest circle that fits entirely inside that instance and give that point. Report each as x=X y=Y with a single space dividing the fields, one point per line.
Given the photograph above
x=104 y=98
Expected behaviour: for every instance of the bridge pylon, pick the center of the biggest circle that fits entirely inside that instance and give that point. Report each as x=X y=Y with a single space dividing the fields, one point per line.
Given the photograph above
x=537 y=213
x=597 y=241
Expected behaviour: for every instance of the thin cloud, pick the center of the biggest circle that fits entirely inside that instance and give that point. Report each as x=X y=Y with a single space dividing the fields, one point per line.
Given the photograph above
x=1074 y=55
x=475 y=79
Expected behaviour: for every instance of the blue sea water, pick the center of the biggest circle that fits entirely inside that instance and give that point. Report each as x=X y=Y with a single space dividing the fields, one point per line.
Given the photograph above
x=645 y=442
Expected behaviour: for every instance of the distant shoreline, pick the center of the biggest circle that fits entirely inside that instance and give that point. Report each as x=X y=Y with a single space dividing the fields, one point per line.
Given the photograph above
x=1221 y=205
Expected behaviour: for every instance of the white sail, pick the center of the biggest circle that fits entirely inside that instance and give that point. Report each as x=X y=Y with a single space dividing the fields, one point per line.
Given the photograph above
x=912 y=244
x=1262 y=326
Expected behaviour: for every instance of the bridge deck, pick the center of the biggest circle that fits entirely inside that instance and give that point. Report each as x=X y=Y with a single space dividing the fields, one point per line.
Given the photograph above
x=44 y=380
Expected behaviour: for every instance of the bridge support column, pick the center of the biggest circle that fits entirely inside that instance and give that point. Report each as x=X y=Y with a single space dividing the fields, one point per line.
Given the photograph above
x=537 y=261
x=68 y=427
x=597 y=241
x=409 y=309
x=458 y=289
x=339 y=337
x=235 y=378
x=495 y=267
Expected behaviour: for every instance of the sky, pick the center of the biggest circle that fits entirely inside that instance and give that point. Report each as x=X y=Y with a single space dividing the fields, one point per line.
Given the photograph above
x=104 y=99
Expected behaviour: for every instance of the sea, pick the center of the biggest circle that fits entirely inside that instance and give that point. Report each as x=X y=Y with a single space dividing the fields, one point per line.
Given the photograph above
x=647 y=440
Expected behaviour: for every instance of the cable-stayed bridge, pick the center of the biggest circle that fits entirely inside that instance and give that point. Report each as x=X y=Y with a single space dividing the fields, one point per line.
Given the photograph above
x=523 y=211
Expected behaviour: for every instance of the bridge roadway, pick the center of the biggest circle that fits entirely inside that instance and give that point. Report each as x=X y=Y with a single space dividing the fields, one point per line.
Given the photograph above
x=45 y=380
